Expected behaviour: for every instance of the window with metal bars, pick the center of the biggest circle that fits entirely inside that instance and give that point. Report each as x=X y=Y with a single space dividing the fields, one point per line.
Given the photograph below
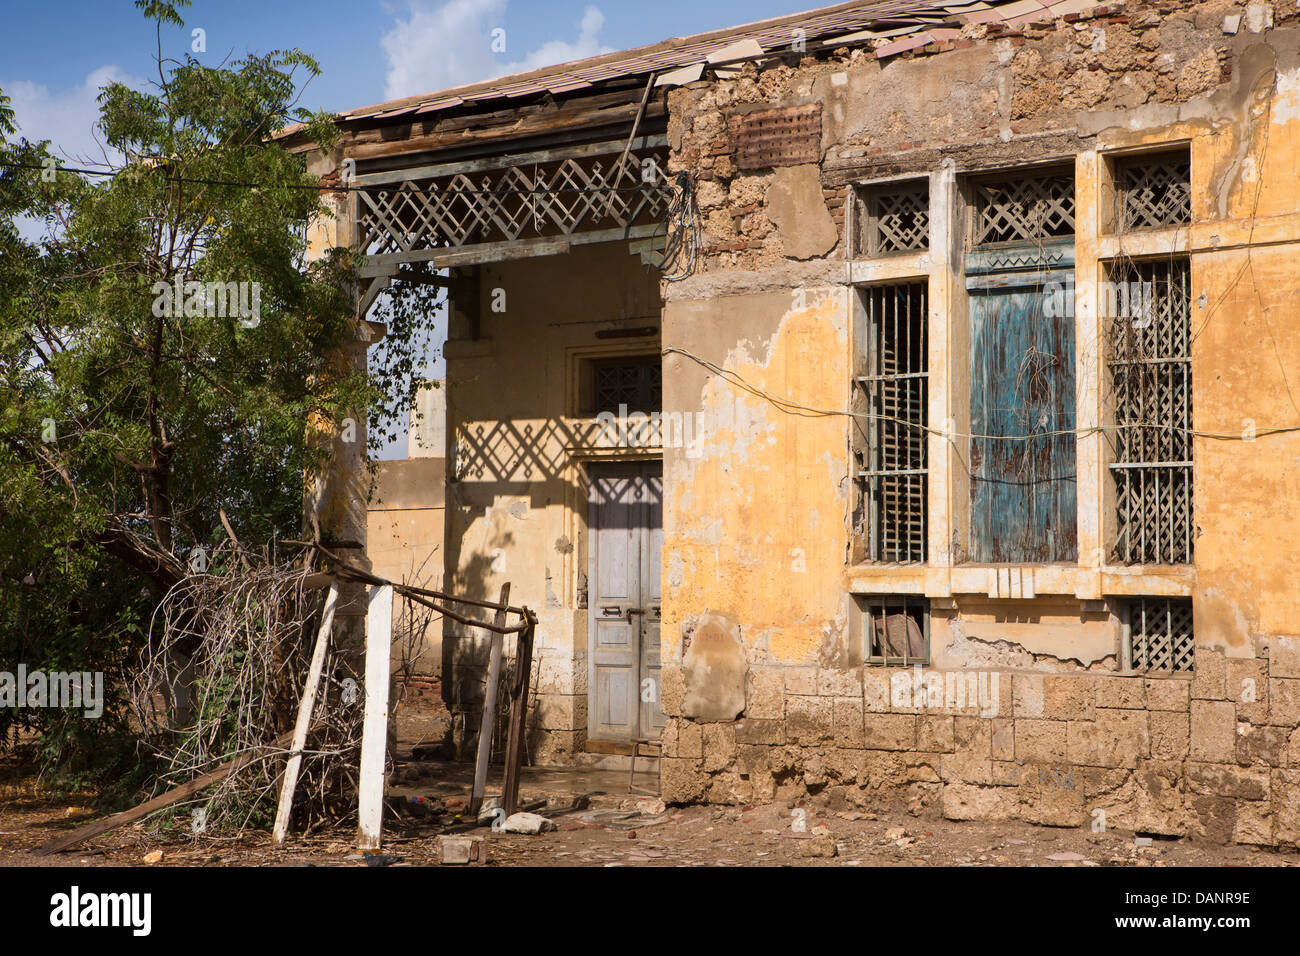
x=1154 y=191
x=896 y=387
x=635 y=383
x=1151 y=382
x=1026 y=208
x=894 y=218
x=896 y=630
x=1158 y=636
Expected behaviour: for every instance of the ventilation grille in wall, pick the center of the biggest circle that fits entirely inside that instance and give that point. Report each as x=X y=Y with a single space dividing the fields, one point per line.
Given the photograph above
x=897 y=393
x=636 y=384
x=894 y=218
x=1024 y=209
x=1158 y=635
x=789 y=136
x=1155 y=191
x=1151 y=376
x=897 y=630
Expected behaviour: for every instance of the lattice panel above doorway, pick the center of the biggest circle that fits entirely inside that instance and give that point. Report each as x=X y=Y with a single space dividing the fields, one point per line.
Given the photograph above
x=1025 y=208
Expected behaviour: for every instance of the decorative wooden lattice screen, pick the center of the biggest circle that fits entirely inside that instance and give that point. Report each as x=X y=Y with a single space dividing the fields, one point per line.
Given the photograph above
x=635 y=385
x=1154 y=192
x=1151 y=374
x=556 y=198
x=1159 y=635
x=894 y=218
x=1024 y=209
x=896 y=386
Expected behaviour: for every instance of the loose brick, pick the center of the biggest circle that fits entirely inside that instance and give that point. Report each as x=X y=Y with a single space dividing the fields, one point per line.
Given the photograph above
x=1170 y=735
x=1247 y=687
x=1284 y=702
x=1214 y=731
x=1117 y=738
x=1168 y=693
x=1284 y=657
x=1028 y=691
x=935 y=733
x=1043 y=741
x=890 y=732
x=765 y=696
x=1003 y=742
x=1210 y=680
x=808 y=720
x=847 y=726
x=1126 y=692
x=1225 y=780
x=1069 y=697
x=753 y=731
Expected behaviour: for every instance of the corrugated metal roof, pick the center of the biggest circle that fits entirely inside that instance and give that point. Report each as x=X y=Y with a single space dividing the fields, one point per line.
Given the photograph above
x=896 y=26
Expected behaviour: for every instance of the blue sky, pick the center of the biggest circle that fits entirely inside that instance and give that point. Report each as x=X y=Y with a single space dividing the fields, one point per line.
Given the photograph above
x=56 y=54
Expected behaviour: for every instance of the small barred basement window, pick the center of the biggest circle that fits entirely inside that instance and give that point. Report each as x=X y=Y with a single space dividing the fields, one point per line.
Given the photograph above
x=896 y=630
x=1030 y=207
x=1158 y=636
x=1155 y=191
x=893 y=218
x=895 y=470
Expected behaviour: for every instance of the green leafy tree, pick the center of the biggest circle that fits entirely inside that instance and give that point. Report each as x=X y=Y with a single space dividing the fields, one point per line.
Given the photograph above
x=131 y=417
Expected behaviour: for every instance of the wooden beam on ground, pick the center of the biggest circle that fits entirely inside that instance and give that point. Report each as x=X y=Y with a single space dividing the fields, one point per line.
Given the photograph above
x=374 y=731
x=489 y=706
x=160 y=802
x=306 y=707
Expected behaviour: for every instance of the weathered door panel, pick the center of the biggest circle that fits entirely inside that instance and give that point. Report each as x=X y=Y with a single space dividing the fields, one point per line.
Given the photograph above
x=652 y=717
x=613 y=593
x=626 y=538
x=1023 y=481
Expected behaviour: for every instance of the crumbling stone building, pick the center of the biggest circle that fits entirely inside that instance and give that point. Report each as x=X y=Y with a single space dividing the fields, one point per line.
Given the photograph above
x=894 y=402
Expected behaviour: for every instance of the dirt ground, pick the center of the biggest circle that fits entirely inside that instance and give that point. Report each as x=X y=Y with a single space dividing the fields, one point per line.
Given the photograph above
x=598 y=823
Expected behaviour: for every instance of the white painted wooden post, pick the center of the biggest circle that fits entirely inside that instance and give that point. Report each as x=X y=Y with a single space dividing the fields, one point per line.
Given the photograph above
x=306 y=708
x=374 y=733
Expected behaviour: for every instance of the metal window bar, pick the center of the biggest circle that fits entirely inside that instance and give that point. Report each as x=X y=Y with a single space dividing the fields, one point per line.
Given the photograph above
x=1154 y=191
x=1151 y=375
x=894 y=218
x=897 y=391
x=1158 y=636
x=897 y=630
x=1024 y=209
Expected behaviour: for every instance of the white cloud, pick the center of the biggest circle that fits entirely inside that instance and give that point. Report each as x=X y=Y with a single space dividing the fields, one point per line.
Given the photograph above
x=450 y=44
x=66 y=117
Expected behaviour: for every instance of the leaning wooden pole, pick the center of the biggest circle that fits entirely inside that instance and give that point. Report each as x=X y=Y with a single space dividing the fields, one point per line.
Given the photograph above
x=305 y=709
x=519 y=715
x=490 y=704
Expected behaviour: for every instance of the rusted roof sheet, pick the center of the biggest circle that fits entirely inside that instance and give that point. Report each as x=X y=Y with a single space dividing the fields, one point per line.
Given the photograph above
x=891 y=27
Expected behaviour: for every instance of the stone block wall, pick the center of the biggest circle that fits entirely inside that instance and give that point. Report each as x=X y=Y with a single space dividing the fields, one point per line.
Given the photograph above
x=1214 y=756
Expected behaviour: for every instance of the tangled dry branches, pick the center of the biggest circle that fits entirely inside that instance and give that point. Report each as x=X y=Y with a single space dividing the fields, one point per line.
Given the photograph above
x=225 y=668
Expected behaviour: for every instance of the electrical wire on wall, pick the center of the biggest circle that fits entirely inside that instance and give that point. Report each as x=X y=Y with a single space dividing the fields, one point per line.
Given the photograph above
x=683 y=229
x=792 y=407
